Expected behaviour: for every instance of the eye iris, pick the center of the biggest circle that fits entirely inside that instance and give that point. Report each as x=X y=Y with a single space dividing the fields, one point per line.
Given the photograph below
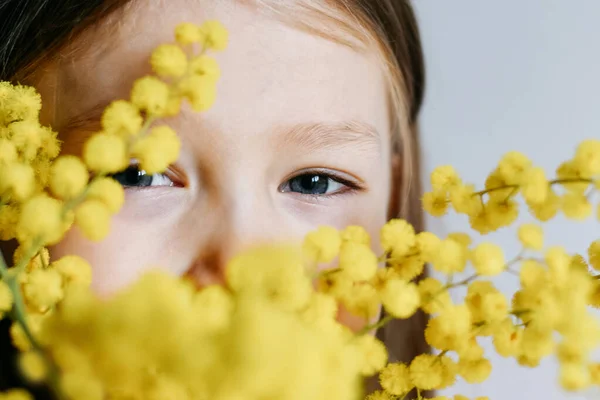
x=310 y=184
x=133 y=176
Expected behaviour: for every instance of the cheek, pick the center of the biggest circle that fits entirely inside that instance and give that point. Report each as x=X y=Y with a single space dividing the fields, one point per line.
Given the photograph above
x=122 y=257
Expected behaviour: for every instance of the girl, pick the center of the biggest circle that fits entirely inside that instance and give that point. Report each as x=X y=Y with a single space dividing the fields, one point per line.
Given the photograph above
x=315 y=124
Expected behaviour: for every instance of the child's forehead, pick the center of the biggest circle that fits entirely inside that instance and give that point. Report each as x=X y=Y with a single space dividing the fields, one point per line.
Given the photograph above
x=264 y=52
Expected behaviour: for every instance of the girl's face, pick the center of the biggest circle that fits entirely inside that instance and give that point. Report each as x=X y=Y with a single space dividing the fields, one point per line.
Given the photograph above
x=299 y=137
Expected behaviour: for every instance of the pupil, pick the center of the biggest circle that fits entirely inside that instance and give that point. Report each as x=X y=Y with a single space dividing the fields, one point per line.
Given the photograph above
x=133 y=176
x=309 y=184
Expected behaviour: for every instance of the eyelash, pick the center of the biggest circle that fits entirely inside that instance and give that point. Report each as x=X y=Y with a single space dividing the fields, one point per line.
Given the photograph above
x=350 y=187
x=176 y=178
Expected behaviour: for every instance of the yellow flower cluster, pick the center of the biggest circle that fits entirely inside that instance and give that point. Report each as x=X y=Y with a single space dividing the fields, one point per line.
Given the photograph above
x=42 y=194
x=215 y=343
x=549 y=313
x=495 y=206
x=271 y=332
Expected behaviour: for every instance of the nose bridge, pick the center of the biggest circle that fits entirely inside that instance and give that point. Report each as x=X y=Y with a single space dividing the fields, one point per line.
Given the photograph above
x=242 y=219
x=252 y=220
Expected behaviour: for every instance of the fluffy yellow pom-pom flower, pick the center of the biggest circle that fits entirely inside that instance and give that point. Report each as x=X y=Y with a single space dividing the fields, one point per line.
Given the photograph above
x=362 y=300
x=41 y=218
x=374 y=353
x=21 y=103
x=534 y=185
x=462 y=238
x=74 y=270
x=434 y=297
x=401 y=299
x=33 y=366
x=576 y=206
x=104 y=153
x=27 y=136
x=17 y=180
x=428 y=245
x=214 y=35
x=68 y=177
x=435 y=203
x=159 y=149
x=450 y=257
x=395 y=379
x=426 y=371
x=464 y=200
x=356 y=234
x=397 y=237
x=507 y=339
x=276 y=273
x=322 y=245
x=93 y=218
x=108 y=191
x=199 y=90
x=513 y=166
x=587 y=157
x=205 y=66
x=358 y=261
x=122 y=118
x=475 y=371
x=531 y=236
x=150 y=94
x=444 y=178
x=187 y=33
x=488 y=259
x=574 y=376
x=169 y=60
x=43 y=289
x=8 y=151
x=486 y=303
x=547 y=209
x=594 y=254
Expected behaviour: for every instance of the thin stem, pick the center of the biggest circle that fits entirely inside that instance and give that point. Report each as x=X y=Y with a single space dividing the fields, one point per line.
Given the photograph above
x=487 y=191
x=324 y=273
x=149 y=121
x=35 y=248
x=518 y=313
x=571 y=180
x=3 y=266
x=461 y=283
x=19 y=316
x=511 y=194
x=19 y=310
x=382 y=322
x=516 y=187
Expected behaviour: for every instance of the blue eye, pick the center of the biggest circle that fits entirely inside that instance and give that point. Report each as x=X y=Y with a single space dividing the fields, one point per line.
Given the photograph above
x=314 y=184
x=133 y=176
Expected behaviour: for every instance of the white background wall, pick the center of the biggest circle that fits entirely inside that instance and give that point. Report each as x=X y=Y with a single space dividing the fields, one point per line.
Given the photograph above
x=511 y=75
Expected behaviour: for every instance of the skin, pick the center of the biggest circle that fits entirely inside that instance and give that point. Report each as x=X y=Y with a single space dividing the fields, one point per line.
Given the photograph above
x=231 y=185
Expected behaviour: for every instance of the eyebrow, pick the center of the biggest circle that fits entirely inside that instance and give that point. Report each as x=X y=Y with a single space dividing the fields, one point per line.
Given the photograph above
x=320 y=136
x=77 y=129
x=312 y=137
